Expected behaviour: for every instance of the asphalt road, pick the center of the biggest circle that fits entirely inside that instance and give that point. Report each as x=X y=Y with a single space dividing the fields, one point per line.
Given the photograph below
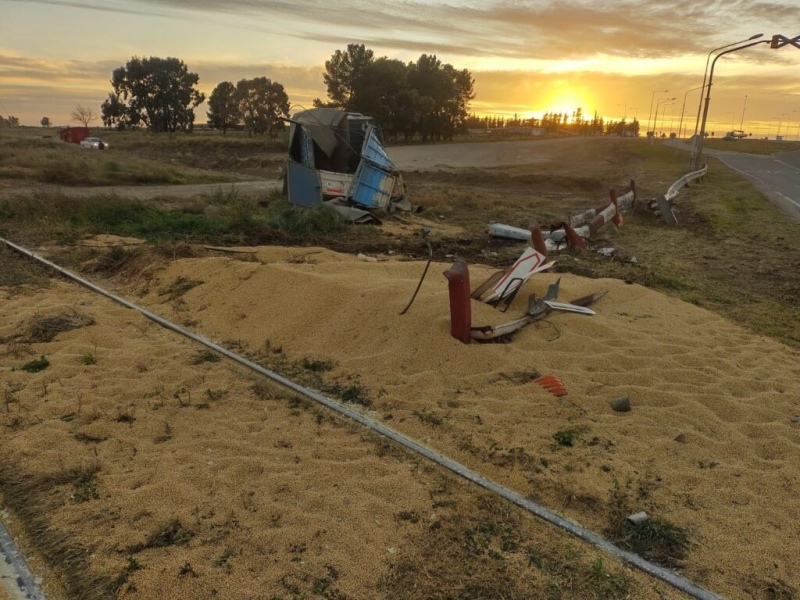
x=777 y=176
x=472 y=154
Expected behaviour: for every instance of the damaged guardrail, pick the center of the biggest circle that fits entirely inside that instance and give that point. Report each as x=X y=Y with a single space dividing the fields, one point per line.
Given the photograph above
x=574 y=232
x=663 y=204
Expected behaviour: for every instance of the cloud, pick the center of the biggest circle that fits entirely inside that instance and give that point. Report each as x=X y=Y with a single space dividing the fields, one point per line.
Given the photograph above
x=548 y=30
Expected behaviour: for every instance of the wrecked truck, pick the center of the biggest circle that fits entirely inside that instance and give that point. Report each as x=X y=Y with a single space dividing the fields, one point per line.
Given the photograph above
x=337 y=158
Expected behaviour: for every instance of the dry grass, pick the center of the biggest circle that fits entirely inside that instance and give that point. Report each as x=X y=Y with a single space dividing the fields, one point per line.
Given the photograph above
x=45 y=328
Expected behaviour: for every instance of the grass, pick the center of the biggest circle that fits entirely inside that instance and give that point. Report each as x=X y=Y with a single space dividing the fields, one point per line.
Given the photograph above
x=172 y=533
x=654 y=539
x=36 y=365
x=232 y=219
x=30 y=157
x=34 y=499
x=45 y=328
x=203 y=356
x=567 y=437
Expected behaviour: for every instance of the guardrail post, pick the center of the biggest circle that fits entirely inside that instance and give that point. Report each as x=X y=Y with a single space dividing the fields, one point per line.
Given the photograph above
x=460 y=301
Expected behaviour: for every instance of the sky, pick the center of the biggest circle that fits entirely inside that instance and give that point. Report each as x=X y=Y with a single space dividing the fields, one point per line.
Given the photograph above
x=620 y=58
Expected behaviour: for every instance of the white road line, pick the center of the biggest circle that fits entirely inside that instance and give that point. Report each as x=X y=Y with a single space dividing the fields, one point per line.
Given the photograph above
x=797 y=204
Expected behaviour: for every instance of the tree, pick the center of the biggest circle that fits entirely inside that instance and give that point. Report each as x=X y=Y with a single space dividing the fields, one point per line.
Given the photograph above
x=345 y=75
x=9 y=121
x=261 y=104
x=45 y=122
x=83 y=115
x=158 y=93
x=223 y=110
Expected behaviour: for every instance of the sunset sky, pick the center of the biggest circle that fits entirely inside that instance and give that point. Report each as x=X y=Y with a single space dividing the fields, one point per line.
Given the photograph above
x=527 y=56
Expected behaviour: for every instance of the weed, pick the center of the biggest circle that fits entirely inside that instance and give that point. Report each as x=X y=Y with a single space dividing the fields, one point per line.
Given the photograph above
x=179 y=287
x=10 y=394
x=216 y=395
x=205 y=355
x=605 y=584
x=85 y=486
x=655 y=539
x=88 y=359
x=125 y=417
x=42 y=329
x=317 y=366
x=113 y=261
x=172 y=533
x=707 y=465
x=89 y=439
x=352 y=393
x=428 y=417
x=186 y=570
x=263 y=390
x=567 y=437
x=223 y=561
x=36 y=365
x=408 y=515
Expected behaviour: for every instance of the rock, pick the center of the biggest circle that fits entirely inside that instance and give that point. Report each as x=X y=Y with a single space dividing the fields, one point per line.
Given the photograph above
x=638 y=518
x=622 y=404
x=681 y=438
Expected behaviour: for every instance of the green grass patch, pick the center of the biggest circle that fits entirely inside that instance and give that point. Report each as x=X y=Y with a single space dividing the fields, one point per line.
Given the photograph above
x=36 y=365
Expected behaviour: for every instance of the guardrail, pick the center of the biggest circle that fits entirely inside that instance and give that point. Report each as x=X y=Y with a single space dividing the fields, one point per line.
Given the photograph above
x=676 y=187
x=663 y=204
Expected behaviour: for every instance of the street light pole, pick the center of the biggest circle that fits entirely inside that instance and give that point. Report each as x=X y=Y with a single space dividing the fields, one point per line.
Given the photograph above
x=683 y=108
x=708 y=58
x=699 y=152
x=650 y=114
x=741 y=125
x=658 y=104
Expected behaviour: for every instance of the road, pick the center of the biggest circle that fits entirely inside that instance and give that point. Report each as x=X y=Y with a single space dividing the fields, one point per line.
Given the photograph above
x=473 y=154
x=776 y=175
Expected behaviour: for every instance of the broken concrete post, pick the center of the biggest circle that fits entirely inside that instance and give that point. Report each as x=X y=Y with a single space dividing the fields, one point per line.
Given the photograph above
x=667 y=214
x=573 y=239
x=460 y=307
x=537 y=238
x=617 y=218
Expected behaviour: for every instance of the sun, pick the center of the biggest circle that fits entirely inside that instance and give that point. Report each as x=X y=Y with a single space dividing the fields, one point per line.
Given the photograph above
x=567 y=100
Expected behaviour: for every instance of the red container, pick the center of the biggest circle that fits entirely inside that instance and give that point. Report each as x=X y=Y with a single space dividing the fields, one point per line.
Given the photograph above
x=73 y=135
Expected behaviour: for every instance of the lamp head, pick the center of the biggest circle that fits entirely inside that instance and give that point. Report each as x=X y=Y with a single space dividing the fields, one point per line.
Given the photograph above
x=756 y=36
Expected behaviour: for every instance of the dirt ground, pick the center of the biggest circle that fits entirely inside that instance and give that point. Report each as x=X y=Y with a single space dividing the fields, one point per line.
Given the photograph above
x=139 y=464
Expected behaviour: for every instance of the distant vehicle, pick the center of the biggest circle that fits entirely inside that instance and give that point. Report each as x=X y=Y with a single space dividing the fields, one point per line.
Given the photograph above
x=95 y=143
x=734 y=135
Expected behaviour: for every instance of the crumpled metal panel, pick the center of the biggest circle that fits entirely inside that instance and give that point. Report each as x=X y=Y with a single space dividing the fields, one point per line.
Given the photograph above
x=372 y=186
x=303 y=185
x=373 y=150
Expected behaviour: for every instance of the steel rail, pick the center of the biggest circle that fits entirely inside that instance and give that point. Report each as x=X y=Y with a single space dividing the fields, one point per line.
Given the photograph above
x=634 y=560
x=24 y=581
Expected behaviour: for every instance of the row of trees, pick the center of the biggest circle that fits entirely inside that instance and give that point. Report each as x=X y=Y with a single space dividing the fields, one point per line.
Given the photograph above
x=553 y=122
x=426 y=97
x=9 y=121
